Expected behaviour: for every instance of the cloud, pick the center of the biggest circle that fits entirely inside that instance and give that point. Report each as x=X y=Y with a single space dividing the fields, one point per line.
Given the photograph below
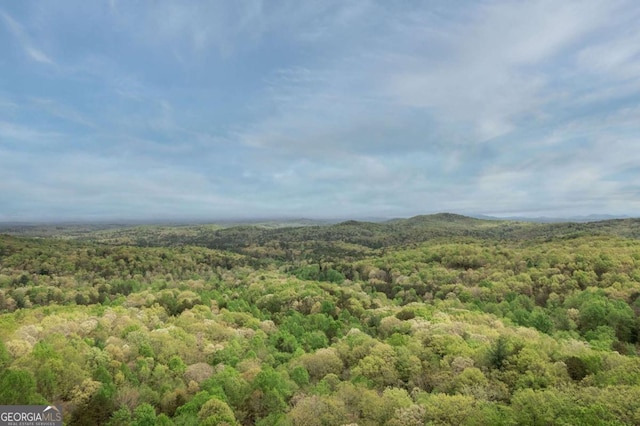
x=325 y=108
x=38 y=55
x=61 y=111
x=11 y=132
x=464 y=79
x=489 y=78
x=19 y=33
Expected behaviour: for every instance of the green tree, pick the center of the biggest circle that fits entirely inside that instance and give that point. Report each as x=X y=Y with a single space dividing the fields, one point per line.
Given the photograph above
x=144 y=415
x=499 y=352
x=5 y=357
x=18 y=387
x=216 y=412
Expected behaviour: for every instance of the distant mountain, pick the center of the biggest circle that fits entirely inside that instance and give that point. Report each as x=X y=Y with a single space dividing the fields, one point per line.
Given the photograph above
x=545 y=219
x=318 y=239
x=438 y=218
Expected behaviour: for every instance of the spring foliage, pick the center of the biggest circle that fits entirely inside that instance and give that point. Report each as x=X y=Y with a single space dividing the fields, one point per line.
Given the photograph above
x=468 y=329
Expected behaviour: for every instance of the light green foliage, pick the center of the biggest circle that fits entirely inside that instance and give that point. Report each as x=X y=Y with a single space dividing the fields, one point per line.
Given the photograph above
x=406 y=323
x=379 y=366
x=300 y=375
x=176 y=365
x=216 y=412
x=236 y=388
x=121 y=417
x=144 y=415
x=317 y=411
x=321 y=363
x=441 y=409
x=533 y=408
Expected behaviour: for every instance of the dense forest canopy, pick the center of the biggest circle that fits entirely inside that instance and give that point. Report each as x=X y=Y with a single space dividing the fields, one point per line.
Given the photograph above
x=438 y=319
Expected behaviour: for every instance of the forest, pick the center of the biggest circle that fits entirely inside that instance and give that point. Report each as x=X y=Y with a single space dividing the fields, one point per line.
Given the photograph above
x=433 y=320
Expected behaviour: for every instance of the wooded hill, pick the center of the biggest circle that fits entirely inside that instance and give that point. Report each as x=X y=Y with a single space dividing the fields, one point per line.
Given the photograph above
x=437 y=319
x=366 y=234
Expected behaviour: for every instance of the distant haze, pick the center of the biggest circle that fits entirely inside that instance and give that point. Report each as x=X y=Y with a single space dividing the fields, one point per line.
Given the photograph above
x=166 y=110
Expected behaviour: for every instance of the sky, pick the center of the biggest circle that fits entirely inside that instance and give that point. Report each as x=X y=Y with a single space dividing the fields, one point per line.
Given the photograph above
x=204 y=110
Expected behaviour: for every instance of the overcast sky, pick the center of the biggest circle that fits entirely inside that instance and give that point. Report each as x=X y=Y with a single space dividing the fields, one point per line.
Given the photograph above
x=223 y=109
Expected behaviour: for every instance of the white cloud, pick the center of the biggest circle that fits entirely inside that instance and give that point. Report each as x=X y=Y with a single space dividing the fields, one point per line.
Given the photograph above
x=493 y=73
x=363 y=107
x=38 y=55
x=485 y=73
x=16 y=133
x=20 y=34
x=59 y=110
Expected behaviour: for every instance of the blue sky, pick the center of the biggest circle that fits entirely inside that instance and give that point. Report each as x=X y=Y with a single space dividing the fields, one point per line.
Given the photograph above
x=238 y=109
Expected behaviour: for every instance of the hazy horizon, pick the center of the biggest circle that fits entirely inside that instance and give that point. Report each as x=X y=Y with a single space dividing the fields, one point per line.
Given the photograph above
x=205 y=111
x=293 y=219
